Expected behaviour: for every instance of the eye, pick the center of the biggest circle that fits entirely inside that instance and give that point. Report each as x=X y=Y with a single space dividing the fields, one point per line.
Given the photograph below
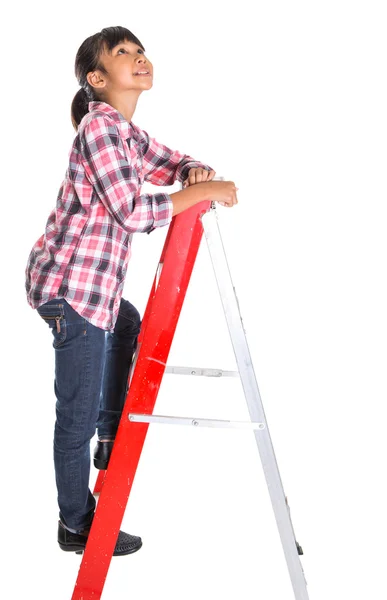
x=142 y=51
x=123 y=49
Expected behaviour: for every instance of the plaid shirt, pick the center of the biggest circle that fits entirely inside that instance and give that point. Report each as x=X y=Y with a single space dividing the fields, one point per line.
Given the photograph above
x=84 y=252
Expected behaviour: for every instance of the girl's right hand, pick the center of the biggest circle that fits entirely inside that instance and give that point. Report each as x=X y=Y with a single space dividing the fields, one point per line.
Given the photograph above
x=223 y=192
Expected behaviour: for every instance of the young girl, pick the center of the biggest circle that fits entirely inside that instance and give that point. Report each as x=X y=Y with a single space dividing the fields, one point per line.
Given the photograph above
x=76 y=269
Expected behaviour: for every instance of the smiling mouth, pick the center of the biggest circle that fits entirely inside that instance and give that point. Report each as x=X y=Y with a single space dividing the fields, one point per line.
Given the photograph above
x=142 y=74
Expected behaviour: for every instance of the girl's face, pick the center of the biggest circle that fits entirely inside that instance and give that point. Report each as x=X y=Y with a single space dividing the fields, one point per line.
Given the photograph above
x=123 y=64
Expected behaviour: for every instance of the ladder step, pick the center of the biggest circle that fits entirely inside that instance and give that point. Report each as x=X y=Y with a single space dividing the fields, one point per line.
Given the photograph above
x=201 y=371
x=196 y=422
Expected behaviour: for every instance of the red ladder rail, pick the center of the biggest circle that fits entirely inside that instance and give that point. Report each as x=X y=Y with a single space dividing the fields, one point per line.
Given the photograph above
x=157 y=330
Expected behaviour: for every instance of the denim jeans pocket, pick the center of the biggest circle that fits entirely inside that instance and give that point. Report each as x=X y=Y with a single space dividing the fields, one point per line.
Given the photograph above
x=53 y=314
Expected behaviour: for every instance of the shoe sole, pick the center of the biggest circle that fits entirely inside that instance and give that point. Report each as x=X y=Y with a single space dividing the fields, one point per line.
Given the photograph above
x=72 y=548
x=80 y=549
x=100 y=464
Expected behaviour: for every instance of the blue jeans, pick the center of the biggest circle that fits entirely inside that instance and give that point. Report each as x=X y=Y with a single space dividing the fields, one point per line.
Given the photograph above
x=91 y=380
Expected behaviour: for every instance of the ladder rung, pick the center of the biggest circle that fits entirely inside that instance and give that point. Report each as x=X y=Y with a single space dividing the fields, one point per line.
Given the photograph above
x=201 y=371
x=142 y=418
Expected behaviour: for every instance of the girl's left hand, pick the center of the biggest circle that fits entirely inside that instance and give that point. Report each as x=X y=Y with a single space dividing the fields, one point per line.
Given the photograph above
x=198 y=175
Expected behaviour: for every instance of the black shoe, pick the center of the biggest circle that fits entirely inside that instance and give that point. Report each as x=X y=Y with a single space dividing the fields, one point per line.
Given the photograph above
x=102 y=453
x=76 y=542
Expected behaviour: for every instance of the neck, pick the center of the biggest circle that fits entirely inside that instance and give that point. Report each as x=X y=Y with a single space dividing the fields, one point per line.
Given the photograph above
x=125 y=104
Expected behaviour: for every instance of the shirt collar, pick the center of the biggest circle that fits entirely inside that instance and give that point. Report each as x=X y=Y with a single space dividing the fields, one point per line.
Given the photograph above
x=128 y=129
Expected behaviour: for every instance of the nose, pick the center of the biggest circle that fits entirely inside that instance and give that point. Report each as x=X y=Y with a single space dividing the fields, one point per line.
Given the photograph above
x=142 y=61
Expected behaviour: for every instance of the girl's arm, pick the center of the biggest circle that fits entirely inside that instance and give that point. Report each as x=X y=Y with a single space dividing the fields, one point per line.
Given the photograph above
x=115 y=180
x=163 y=166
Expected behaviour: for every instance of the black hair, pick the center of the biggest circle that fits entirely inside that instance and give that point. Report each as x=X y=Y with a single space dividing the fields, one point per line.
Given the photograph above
x=88 y=59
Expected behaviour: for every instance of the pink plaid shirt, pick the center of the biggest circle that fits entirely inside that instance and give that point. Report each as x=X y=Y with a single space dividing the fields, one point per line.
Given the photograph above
x=84 y=252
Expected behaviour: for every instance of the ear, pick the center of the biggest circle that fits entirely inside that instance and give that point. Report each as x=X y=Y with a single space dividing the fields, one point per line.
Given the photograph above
x=95 y=79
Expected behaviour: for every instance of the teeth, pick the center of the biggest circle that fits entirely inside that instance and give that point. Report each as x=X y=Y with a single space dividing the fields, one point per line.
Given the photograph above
x=142 y=73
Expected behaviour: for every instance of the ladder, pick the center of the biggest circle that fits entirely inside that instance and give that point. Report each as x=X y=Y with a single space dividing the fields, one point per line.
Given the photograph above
x=149 y=365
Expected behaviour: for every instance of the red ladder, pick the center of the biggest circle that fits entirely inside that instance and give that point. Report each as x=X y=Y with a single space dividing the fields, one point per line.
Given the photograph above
x=154 y=341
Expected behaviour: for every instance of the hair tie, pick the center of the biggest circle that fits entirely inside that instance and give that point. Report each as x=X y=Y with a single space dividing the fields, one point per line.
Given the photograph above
x=87 y=91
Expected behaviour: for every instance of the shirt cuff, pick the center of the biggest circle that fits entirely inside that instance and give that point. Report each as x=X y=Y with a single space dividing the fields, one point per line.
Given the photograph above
x=162 y=210
x=183 y=173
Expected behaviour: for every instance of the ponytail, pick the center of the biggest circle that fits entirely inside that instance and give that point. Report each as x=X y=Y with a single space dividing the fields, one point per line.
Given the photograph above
x=79 y=107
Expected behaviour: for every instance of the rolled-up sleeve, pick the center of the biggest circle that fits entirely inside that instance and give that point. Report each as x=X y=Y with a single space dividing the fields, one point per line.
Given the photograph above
x=163 y=166
x=115 y=180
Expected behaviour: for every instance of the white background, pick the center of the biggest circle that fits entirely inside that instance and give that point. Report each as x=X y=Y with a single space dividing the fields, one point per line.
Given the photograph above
x=288 y=100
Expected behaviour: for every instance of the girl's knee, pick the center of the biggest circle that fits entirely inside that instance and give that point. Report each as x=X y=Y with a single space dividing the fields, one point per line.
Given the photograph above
x=129 y=319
